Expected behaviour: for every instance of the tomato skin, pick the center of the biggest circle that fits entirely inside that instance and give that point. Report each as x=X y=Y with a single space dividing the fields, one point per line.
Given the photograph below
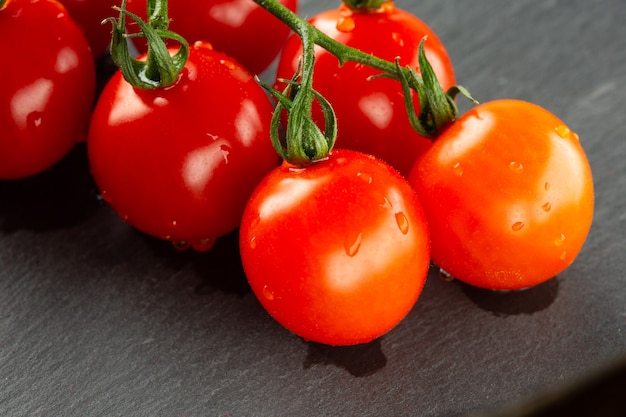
x=179 y=163
x=48 y=86
x=508 y=193
x=89 y=15
x=371 y=115
x=337 y=252
x=239 y=28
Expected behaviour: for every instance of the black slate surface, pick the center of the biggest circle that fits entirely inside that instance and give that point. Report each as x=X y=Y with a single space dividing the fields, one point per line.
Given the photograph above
x=99 y=320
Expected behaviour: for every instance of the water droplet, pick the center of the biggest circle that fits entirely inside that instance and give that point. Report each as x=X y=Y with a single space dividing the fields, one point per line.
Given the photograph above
x=563 y=255
x=386 y=204
x=267 y=293
x=181 y=245
x=397 y=38
x=403 y=222
x=227 y=63
x=352 y=243
x=345 y=24
x=174 y=223
x=203 y=245
x=225 y=152
x=104 y=195
x=457 y=169
x=445 y=276
x=516 y=167
x=160 y=102
x=559 y=240
x=365 y=177
x=253 y=242
x=34 y=119
x=546 y=186
x=547 y=207
x=517 y=226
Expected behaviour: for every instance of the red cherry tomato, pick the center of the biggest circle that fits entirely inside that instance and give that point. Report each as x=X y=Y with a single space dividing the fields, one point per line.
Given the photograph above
x=508 y=193
x=47 y=89
x=337 y=252
x=179 y=163
x=239 y=28
x=371 y=115
x=89 y=15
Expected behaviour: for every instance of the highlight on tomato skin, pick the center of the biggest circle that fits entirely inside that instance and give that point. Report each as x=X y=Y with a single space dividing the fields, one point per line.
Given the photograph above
x=337 y=252
x=508 y=193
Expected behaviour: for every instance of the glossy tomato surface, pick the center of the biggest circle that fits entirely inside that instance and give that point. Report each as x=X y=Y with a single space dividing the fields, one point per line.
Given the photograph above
x=47 y=89
x=371 y=115
x=239 y=28
x=337 y=252
x=89 y=15
x=508 y=193
x=179 y=163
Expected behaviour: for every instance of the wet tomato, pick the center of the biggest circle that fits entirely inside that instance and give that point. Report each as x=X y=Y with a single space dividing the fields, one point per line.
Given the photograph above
x=337 y=252
x=180 y=162
x=47 y=89
x=508 y=194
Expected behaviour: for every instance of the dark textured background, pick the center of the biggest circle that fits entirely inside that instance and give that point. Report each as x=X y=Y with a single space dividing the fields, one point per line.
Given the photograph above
x=98 y=320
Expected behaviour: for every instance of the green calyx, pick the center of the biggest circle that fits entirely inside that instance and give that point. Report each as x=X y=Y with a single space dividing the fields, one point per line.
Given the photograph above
x=365 y=5
x=160 y=68
x=304 y=142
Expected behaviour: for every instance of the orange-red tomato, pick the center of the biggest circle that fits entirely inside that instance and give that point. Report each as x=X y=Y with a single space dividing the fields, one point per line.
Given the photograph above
x=508 y=194
x=337 y=252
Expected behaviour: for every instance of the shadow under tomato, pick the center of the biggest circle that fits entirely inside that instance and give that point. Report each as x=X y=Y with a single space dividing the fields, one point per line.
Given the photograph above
x=62 y=196
x=218 y=269
x=509 y=303
x=359 y=360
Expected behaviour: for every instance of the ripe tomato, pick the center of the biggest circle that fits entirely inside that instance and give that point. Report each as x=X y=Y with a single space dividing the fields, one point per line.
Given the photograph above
x=371 y=115
x=239 y=28
x=179 y=163
x=48 y=86
x=337 y=252
x=89 y=15
x=508 y=194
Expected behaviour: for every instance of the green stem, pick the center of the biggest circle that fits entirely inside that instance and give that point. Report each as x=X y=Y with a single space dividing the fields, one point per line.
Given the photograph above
x=160 y=68
x=437 y=108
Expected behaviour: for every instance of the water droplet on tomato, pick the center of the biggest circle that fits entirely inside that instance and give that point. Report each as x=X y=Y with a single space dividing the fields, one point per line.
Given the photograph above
x=267 y=293
x=517 y=226
x=345 y=24
x=397 y=38
x=445 y=276
x=516 y=167
x=203 y=245
x=386 y=204
x=104 y=195
x=34 y=119
x=352 y=243
x=547 y=186
x=160 y=102
x=225 y=149
x=403 y=222
x=547 y=207
x=559 y=240
x=563 y=255
x=227 y=63
x=253 y=242
x=458 y=169
x=365 y=177
x=181 y=245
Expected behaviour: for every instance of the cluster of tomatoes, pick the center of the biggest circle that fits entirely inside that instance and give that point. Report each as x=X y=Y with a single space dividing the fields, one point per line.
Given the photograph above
x=337 y=250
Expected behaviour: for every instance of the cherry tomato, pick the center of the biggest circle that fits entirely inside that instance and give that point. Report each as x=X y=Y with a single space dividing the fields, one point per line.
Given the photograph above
x=371 y=115
x=508 y=194
x=337 y=252
x=47 y=89
x=179 y=163
x=239 y=28
x=89 y=15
